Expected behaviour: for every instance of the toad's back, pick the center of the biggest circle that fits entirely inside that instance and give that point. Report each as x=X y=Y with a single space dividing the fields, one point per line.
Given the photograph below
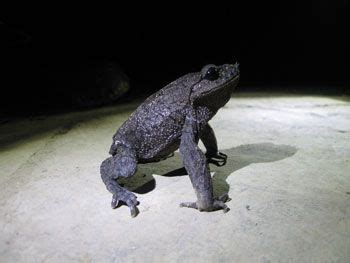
x=154 y=129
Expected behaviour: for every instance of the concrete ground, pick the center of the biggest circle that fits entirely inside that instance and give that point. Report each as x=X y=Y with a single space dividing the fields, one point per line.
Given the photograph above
x=288 y=175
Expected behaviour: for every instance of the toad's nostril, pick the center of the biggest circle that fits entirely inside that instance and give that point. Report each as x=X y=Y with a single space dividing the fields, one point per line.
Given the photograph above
x=233 y=61
x=236 y=66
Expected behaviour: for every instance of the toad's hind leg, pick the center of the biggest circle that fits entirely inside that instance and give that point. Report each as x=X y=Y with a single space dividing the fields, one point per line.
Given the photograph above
x=122 y=164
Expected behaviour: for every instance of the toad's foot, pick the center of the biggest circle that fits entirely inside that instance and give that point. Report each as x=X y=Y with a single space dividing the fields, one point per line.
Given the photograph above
x=218 y=204
x=218 y=159
x=128 y=199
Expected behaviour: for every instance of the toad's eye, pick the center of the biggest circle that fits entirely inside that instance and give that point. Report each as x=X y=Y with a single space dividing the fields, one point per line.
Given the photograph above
x=211 y=74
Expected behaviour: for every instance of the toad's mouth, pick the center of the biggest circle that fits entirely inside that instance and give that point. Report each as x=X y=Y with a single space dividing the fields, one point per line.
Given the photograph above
x=228 y=85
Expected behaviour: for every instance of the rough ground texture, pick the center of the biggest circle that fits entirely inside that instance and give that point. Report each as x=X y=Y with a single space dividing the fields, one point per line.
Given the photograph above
x=287 y=174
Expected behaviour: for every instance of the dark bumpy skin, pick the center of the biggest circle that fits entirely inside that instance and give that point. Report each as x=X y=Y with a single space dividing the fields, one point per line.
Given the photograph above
x=175 y=117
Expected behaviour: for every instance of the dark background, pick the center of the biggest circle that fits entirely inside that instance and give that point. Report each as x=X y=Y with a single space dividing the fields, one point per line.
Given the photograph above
x=286 y=46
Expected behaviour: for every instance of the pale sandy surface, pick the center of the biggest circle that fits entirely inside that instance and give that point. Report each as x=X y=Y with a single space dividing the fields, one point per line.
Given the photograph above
x=288 y=175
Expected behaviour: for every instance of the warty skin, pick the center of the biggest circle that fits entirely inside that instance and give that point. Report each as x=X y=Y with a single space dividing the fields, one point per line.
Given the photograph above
x=175 y=117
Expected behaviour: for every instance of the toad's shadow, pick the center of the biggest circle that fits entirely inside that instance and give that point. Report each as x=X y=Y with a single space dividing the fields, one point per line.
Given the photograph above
x=238 y=157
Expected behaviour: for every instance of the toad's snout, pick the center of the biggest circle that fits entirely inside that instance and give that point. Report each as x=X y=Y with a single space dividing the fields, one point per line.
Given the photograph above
x=231 y=70
x=234 y=69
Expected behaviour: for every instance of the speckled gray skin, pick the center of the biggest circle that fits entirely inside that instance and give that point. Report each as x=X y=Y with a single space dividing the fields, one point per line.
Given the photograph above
x=175 y=117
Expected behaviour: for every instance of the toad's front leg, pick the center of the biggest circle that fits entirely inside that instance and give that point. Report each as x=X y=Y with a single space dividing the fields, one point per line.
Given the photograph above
x=197 y=166
x=208 y=138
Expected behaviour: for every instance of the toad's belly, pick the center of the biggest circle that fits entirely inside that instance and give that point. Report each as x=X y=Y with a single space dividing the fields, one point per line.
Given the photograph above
x=159 y=147
x=158 y=135
x=159 y=153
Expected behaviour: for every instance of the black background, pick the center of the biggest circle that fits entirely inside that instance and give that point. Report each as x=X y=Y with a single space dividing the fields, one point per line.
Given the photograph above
x=285 y=46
